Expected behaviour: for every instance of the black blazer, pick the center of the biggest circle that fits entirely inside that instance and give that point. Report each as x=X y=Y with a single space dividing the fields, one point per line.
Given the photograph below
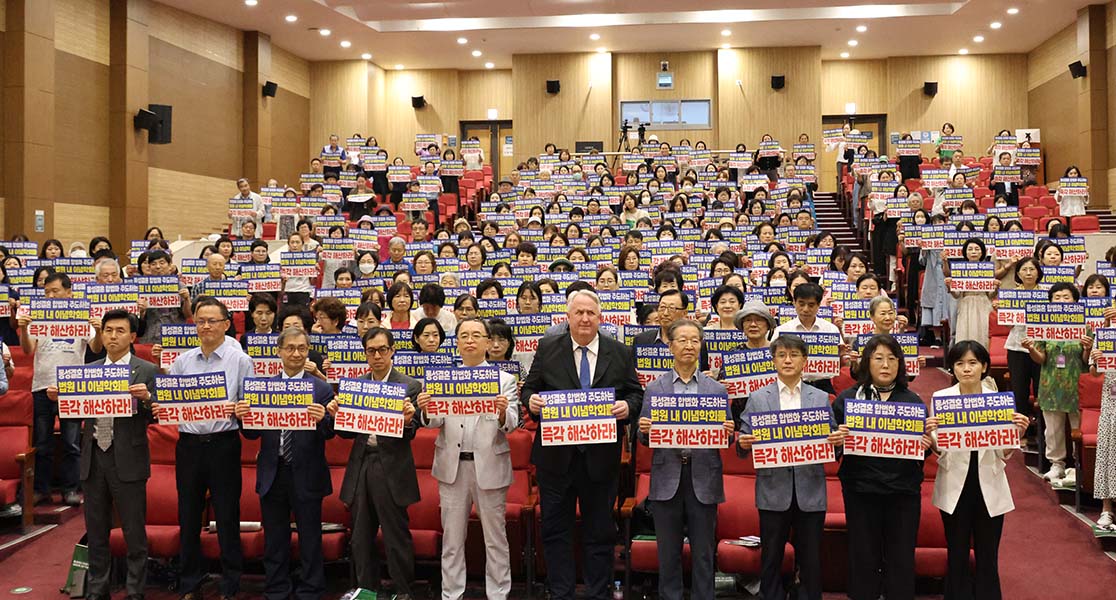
x=395 y=453
x=129 y=434
x=552 y=370
x=647 y=338
x=308 y=462
x=1012 y=197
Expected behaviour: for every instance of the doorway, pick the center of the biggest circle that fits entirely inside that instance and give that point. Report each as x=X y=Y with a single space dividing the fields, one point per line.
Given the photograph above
x=492 y=135
x=874 y=125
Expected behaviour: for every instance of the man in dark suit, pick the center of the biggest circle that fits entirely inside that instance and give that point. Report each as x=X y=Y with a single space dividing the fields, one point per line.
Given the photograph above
x=585 y=475
x=115 y=464
x=672 y=307
x=380 y=481
x=292 y=476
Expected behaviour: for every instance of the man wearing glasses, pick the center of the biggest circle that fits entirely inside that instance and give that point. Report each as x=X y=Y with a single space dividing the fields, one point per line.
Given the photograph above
x=672 y=307
x=207 y=458
x=381 y=482
x=472 y=463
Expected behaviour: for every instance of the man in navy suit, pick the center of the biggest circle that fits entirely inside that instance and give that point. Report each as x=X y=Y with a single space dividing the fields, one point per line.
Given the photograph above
x=789 y=496
x=292 y=475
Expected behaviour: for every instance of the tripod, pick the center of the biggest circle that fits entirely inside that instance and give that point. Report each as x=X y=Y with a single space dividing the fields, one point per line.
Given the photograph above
x=622 y=144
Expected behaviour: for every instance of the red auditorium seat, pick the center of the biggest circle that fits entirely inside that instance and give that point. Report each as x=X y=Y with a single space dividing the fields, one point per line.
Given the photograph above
x=738 y=518
x=1051 y=203
x=17 y=455
x=981 y=192
x=997 y=337
x=1036 y=212
x=163 y=536
x=643 y=555
x=1044 y=224
x=1028 y=223
x=426 y=514
x=251 y=542
x=1089 y=389
x=1025 y=201
x=1085 y=224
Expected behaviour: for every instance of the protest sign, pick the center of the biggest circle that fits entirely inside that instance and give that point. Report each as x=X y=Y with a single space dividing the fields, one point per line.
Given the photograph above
x=885 y=429
x=790 y=438
x=370 y=407
x=88 y=391
x=1055 y=321
x=572 y=417
x=976 y=422
x=59 y=318
x=689 y=421
x=462 y=391
x=278 y=404
x=192 y=398
x=746 y=371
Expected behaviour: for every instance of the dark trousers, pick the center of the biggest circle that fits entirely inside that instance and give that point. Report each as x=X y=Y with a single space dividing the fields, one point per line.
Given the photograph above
x=674 y=519
x=374 y=508
x=1024 y=379
x=70 y=468
x=775 y=529
x=560 y=494
x=882 y=529
x=209 y=464
x=825 y=385
x=102 y=488
x=275 y=510
x=970 y=522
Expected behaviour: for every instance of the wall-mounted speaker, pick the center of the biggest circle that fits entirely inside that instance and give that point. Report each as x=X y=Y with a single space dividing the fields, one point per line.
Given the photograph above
x=930 y=88
x=270 y=88
x=145 y=119
x=1077 y=69
x=418 y=102
x=553 y=86
x=161 y=134
x=778 y=82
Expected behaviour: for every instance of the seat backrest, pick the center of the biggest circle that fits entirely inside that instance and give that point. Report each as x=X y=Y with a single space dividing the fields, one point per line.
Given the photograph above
x=426 y=514
x=162 y=440
x=1086 y=224
x=13 y=442
x=333 y=510
x=1036 y=212
x=162 y=496
x=1089 y=389
x=422 y=447
x=738 y=517
x=337 y=451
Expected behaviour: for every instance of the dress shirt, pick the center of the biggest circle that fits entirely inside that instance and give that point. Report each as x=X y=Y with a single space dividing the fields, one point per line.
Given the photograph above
x=372 y=441
x=790 y=398
x=507 y=389
x=229 y=359
x=682 y=386
x=820 y=326
x=125 y=361
x=593 y=347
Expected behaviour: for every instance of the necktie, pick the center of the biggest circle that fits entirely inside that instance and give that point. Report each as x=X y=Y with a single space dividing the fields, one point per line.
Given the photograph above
x=102 y=432
x=285 y=444
x=583 y=375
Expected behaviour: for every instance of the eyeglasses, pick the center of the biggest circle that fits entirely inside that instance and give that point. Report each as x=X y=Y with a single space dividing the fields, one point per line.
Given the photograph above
x=209 y=322
x=668 y=307
x=686 y=342
x=378 y=351
x=466 y=337
x=298 y=349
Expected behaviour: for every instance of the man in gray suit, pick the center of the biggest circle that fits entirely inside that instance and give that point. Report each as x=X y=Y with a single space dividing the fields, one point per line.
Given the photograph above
x=381 y=482
x=115 y=464
x=789 y=496
x=686 y=484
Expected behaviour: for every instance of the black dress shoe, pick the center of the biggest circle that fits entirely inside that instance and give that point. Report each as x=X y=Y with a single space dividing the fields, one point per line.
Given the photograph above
x=133 y=597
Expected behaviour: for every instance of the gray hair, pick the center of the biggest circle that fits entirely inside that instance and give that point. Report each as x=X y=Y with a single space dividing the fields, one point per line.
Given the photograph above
x=102 y=262
x=877 y=301
x=289 y=333
x=680 y=323
x=396 y=240
x=587 y=293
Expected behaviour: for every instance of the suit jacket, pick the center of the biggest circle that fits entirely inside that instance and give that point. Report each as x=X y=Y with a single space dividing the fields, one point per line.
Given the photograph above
x=774 y=487
x=395 y=453
x=666 y=463
x=554 y=370
x=648 y=338
x=491 y=452
x=129 y=434
x=309 y=469
x=1012 y=197
x=953 y=471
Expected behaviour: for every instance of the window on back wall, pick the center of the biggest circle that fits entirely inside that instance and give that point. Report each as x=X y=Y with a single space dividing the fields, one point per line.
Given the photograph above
x=668 y=114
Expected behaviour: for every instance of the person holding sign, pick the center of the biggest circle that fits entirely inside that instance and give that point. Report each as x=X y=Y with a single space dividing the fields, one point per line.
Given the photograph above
x=882 y=483
x=472 y=463
x=807 y=300
x=246 y=194
x=684 y=498
x=585 y=475
x=1061 y=365
x=1024 y=371
x=48 y=354
x=292 y=477
x=672 y=307
x=115 y=464
x=971 y=488
x=381 y=481
x=1071 y=205
x=791 y=496
x=972 y=307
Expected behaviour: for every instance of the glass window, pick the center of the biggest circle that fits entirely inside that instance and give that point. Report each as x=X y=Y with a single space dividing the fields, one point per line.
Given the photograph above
x=668 y=114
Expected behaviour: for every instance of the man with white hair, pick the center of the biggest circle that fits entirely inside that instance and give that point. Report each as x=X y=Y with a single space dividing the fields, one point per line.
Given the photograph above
x=584 y=475
x=245 y=193
x=397 y=257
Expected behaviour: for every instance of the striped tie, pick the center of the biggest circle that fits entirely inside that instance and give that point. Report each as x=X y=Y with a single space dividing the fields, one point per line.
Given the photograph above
x=285 y=445
x=102 y=432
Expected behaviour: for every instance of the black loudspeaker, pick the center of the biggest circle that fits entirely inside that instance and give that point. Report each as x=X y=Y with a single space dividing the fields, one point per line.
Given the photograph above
x=778 y=82
x=1077 y=69
x=270 y=88
x=161 y=134
x=145 y=119
x=930 y=88
x=553 y=86
x=418 y=102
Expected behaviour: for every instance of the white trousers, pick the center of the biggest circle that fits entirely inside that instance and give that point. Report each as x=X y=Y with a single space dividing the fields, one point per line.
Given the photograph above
x=457 y=500
x=1055 y=434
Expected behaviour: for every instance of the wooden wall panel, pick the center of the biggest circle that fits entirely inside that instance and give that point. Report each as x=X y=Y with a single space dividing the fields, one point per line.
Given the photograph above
x=1110 y=56
x=290 y=136
x=1050 y=58
x=290 y=72
x=1053 y=109
x=440 y=88
x=695 y=77
x=338 y=101
x=188 y=206
x=980 y=95
x=376 y=77
x=1110 y=28
x=3 y=16
x=208 y=113
x=81 y=27
x=482 y=90
x=217 y=42
x=581 y=112
x=81 y=132
x=79 y=222
x=748 y=111
x=861 y=81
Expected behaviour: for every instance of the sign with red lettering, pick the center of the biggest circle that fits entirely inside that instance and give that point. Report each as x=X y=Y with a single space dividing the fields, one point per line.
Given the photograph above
x=196 y=398
x=885 y=429
x=790 y=438
x=463 y=391
x=278 y=404
x=1055 y=321
x=59 y=318
x=976 y=422
x=689 y=421
x=371 y=407
x=572 y=417
x=94 y=391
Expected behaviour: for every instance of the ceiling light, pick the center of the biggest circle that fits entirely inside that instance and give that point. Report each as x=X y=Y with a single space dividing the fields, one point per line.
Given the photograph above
x=853 y=43
x=346 y=44
x=291 y=18
x=398 y=67
x=726 y=32
x=861 y=28
x=251 y=2
x=601 y=50
x=477 y=53
x=1013 y=11
x=963 y=51
x=462 y=41
x=594 y=36
x=366 y=56
x=844 y=55
x=324 y=32
x=995 y=24
x=726 y=46
x=978 y=38
x=490 y=65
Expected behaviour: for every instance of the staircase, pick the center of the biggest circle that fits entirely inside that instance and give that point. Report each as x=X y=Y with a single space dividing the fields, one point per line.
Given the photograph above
x=831 y=218
x=1107 y=220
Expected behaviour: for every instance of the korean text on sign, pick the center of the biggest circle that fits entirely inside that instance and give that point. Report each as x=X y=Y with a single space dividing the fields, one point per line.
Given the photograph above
x=578 y=417
x=94 y=391
x=278 y=404
x=192 y=398
x=371 y=407
x=885 y=429
x=463 y=391
x=688 y=421
x=976 y=421
x=788 y=438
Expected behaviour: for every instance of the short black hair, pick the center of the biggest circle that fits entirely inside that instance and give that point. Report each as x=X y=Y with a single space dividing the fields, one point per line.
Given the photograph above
x=490 y=283
x=262 y=298
x=1063 y=286
x=960 y=349
x=432 y=293
x=375 y=331
x=527 y=248
x=203 y=301
x=297 y=310
x=808 y=291
x=789 y=342
x=421 y=325
x=863 y=371
x=118 y=314
x=679 y=293
x=579 y=285
x=60 y=277
x=499 y=328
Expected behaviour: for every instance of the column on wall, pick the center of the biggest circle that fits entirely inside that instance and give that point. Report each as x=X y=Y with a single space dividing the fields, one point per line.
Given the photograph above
x=128 y=93
x=257 y=108
x=1092 y=103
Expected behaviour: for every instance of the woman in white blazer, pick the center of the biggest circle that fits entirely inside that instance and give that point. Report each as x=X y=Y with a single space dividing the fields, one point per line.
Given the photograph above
x=971 y=489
